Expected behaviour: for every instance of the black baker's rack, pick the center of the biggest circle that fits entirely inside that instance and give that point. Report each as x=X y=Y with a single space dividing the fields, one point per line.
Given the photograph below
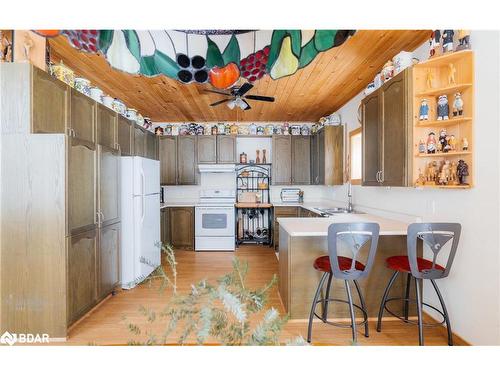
x=253 y=220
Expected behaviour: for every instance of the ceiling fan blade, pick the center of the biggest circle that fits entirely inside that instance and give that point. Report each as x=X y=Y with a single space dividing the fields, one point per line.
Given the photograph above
x=259 y=97
x=243 y=89
x=218 y=92
x=248 y=105
x=220 y=102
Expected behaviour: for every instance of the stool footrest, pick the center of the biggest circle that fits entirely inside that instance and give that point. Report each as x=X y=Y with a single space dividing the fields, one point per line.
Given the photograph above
x=365 y=314
x=413 y=321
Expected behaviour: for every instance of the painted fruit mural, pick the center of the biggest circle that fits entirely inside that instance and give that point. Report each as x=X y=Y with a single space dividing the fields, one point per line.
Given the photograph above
x=219 y=57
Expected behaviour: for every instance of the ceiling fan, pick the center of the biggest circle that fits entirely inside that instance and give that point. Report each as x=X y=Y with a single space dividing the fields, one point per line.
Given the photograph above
x=238 y=97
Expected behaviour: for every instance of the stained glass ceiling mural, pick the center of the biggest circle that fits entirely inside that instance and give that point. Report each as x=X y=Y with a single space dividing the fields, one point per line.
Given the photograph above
x=218 y=57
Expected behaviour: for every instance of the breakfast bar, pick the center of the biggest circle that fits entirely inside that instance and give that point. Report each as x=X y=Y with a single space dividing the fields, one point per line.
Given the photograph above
x=302 y=240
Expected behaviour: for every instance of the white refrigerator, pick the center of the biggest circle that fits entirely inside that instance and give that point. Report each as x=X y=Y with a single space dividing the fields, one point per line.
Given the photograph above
x=140 y=204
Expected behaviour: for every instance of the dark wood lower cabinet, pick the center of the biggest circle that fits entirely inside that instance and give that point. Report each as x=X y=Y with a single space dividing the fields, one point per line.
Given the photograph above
x=181 y=227
x=109 y=256
x=288 y=211
x=81 y=274
x=165 y=226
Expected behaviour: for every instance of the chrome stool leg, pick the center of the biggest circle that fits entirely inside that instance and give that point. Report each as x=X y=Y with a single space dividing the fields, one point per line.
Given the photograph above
x=363 y=307
x=313 y=306
x=327 y=296
x=407 y=295
x=419 y=313
x=384 y=299
x=445 y=313
x=351 y=309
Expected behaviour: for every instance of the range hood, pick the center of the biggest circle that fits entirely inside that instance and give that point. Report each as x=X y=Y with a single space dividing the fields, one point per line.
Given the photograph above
x=217 y=168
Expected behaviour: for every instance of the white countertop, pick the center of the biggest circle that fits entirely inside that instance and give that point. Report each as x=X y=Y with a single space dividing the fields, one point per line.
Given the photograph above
x=310 y=205
x=180 y=203
x=318 y=227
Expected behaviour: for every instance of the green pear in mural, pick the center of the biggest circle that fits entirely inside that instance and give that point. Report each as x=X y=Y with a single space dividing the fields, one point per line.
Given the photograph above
x=287 y=63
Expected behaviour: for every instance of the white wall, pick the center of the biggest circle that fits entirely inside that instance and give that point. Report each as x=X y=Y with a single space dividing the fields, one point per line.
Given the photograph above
x=472 y=290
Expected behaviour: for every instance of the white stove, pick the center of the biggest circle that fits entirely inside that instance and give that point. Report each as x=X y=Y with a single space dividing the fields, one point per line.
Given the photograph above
x=215 y=220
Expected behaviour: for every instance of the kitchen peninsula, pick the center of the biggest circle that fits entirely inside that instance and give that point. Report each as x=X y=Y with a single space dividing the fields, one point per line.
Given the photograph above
x=302 y=240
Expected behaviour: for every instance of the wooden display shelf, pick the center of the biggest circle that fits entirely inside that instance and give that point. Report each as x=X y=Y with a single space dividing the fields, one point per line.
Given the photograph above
x=444 y=123
x=444 y=154
x=455 y=187
x=447 y=58
x=445 y=90
x=252 y=205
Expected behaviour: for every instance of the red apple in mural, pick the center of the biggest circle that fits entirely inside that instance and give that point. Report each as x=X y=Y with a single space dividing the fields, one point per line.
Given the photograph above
x=225 y=77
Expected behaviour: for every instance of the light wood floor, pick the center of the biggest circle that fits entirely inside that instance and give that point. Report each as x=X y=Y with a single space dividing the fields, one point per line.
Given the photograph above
x=106 y=325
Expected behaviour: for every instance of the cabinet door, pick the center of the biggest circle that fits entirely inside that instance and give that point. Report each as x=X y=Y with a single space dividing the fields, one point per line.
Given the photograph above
x=282 y=212
x=371 y=139
x=81 y=274
x=168 y=160
x=207 y=149
x=165 y=226
x=125 y=136
x=321 y=157
x=394 y=119
x=314 y=160
x=181 y=220
x=82 y=116
x=334 y=155
x=186 y=160
x=226 y=149
x=139 y=142
x=109 y=252
x=50 y=103
x=301 y=162
x=108 y=185
x=151 y=146
x=282 y=160
x=81 y=194
x=106 y=126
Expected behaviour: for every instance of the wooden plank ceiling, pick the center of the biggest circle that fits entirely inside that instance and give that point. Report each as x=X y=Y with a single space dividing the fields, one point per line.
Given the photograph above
x=331 y=80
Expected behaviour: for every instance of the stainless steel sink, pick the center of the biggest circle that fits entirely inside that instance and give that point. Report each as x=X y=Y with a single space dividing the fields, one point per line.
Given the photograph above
x=336 y=210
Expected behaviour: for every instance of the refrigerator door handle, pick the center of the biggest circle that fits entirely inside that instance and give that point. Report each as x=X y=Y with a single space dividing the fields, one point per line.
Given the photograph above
x=143 y=183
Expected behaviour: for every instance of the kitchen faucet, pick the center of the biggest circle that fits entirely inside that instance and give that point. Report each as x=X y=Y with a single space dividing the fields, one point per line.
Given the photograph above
x=349 y=197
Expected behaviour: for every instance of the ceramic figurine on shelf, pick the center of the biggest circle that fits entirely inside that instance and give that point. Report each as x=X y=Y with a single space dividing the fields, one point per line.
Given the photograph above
x=453 y=174
x=439 y=147
x=286 y=128
x=234 y=129
x=443 y=110
x=431 y=143
x=422 y=149
x=448 y=40
x=388 y=71
x=253 y=129
x=168 y=130
x=447 y=148
x=430 y=174
x=452 y=142
x=430 y=79
x=447 y=170
x=159 y=130
x=264 y=157
x=442 y=140
x=214 y=129
x=463 y=40
x=424 y=110
x=257 y=158
x=462 y=172
x=465 y=144
x=260 y=130
x=458 y=105
x=451 y=74
x=421 y=178
x=435 y=43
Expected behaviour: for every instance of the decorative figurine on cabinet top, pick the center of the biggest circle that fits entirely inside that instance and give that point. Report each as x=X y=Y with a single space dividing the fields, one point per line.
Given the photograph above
x=424 y=110
x=462 y=172
x=451 y=74
x=435 y=42
x=448 y=40
x=463 y=40
x=159 y=130
x=443 y=110
x=422 y=149
x=442 y=140
x=431 y=143
x=465 y=144
x=458 y=105
x=388 y=71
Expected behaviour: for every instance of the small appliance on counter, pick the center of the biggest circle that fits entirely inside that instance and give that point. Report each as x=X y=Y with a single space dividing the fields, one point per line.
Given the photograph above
x=291 y=195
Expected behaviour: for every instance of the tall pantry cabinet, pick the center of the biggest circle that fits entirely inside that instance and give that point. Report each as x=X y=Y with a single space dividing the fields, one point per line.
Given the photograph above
x=60 y=225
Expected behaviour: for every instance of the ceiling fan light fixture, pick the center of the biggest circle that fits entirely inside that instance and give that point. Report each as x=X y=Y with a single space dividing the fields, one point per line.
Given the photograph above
x=231 y=104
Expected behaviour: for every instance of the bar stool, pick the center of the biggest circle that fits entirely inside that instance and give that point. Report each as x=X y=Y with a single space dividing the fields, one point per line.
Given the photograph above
x=354 y=236
x=435 y=236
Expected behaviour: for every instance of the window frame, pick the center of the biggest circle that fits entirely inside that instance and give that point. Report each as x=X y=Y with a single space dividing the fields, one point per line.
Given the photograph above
x=352 y=133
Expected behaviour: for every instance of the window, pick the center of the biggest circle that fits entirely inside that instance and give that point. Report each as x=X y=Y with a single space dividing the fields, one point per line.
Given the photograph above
x=354 y=158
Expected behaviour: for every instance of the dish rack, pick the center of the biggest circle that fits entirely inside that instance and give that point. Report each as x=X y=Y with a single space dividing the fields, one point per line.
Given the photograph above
x=253 y=207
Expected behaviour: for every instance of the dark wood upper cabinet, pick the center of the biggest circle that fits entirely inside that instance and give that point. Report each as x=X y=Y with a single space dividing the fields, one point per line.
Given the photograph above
x=187 y=166
x=327 y=156
x=226 y=149
x=139 y=141
x=207 y=149
x=314 y=159
x=386 y=133
x=82 y=124
x=107 y=122
x=125 y=136
x=181 y=222
x=151 y=146
x=168 y=160
x=50 y=103
x=108 y=185
x=282 y=160
x=301 y=160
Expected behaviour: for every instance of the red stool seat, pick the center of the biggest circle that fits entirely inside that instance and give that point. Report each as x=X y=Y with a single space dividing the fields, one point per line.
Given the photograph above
x=402 y=264
x=323 y=264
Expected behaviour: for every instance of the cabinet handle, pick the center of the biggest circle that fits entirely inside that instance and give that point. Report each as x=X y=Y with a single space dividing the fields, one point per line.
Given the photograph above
x=376 y=176
x=381 y=176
